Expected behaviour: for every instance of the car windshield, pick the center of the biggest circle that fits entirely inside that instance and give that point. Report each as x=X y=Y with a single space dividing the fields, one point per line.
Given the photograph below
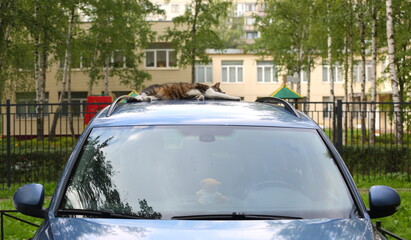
x=161 y=172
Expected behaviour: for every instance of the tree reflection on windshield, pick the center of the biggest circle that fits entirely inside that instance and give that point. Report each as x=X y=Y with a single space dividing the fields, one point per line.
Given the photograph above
x=92 y=188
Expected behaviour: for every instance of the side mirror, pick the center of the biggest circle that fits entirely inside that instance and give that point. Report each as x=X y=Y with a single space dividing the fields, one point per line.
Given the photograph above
x=29 y=200
x=384 y=201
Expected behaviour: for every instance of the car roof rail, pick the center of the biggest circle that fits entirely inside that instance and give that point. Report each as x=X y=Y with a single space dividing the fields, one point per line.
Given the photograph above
x=274 y=100
x=113 y=106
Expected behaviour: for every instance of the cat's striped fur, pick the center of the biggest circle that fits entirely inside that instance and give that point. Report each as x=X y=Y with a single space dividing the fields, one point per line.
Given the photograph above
x=183 y=91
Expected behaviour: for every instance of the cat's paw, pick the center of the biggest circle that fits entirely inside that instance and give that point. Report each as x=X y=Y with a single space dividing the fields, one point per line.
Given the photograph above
x=200 y=97
x=138 y=98
x=237 y=98
x=149 y=99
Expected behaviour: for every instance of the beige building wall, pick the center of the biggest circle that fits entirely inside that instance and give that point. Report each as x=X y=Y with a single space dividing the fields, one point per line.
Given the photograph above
x=250 y=89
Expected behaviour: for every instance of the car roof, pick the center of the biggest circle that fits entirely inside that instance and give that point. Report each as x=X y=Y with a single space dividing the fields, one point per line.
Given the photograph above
x=208 y=112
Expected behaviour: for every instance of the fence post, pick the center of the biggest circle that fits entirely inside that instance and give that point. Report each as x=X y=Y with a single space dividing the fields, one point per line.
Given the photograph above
x=339 y=129
x=8 y=132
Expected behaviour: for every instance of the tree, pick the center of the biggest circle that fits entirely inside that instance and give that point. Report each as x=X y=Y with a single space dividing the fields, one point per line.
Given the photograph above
x=117 y=32
x=393 y=74
x=231 y=30
x=401 y=11
x=193 y=32
x=287 y=35
x=6 y=23
x=44 y=28
x=71 y=8
x=376 y=15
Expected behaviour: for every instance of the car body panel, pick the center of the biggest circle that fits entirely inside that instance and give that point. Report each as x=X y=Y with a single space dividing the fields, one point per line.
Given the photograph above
x=204 y=113
x=86 y=228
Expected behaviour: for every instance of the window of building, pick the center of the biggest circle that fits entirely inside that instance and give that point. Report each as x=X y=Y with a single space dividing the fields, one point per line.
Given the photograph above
x=251 y=35
x=204 y=73
x=175 y=8
x=79 y=60
x=160 y=55
x=304 y=76
x=118 y=59
x=250 y=21
x=338 y=73
x=78 y=100
x=357 y=75
x=26 y=104
x=266 y=72
x=249 y=7
x=239 y=9
x=232 y=71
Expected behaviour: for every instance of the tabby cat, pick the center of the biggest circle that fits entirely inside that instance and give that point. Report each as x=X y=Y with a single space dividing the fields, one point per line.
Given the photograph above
x=182 y=91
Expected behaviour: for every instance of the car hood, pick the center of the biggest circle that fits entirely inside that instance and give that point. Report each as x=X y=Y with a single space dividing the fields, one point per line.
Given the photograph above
x=72 y=228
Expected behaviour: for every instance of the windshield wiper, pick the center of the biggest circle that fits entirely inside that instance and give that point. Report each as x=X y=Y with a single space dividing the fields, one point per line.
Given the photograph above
x=233 y=216
x=100 y=214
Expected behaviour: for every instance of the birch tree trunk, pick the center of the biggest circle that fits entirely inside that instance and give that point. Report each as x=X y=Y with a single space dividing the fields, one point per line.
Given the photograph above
x=330 y=60
x=93 y=68
x=331 y=72
x=363 y=75
x=373 y=73
x=393 y=74
x=307 y=107
x=38 y=76
x=351 y=93
x=106 y=75
x=70 y=108
x=346 y=73
x=194 y=36
x=67 y=66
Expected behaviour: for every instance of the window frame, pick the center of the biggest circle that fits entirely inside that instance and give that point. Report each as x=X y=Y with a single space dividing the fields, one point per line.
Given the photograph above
x=225 y=64
x=273 y=72
x=338 y=72
x=155 y=51
x=28 y=101
x=80 y=100
x=208 y=70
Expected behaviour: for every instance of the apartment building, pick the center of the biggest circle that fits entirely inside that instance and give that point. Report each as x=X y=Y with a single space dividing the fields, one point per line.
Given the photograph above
x=246 y=75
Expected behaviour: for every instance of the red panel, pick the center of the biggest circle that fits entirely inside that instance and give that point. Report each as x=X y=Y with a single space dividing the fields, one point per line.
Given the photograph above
x=92 y=109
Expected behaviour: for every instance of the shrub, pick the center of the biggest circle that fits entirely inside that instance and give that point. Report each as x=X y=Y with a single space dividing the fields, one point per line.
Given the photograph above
x=36 y=166
x=373 y=160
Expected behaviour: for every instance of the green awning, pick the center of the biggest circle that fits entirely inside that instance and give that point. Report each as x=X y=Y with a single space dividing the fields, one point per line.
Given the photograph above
x=286 y=93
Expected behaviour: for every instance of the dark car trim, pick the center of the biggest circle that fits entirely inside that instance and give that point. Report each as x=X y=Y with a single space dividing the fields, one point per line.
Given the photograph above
x=65 y=177
x=346 y=175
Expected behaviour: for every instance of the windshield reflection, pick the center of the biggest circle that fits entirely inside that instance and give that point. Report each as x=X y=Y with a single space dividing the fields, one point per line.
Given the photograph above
x=161 y=172
x=92 y=187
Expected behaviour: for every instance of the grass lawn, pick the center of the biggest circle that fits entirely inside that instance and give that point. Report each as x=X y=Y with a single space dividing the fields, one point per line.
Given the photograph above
x=398 y=223
x=14 y=229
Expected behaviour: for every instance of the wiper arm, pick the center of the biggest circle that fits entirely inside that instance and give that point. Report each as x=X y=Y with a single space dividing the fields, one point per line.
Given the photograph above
x=101 y=213
x=234 y=216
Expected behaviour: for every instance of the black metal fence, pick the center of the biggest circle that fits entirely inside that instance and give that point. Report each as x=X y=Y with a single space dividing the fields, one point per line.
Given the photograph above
x=26 y=157
x=368 y=151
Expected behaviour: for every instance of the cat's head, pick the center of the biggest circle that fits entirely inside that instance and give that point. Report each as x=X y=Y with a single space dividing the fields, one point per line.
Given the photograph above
x=217 y=88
